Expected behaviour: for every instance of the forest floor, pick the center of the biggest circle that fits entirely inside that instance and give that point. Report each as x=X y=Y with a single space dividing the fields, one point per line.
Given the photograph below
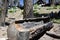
x=47 y=10
x=18 y=15
x=54 y=30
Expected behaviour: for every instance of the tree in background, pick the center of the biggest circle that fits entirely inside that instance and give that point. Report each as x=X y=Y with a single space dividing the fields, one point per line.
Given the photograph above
x=28 y=9
x=52 y=2
x=4 y=11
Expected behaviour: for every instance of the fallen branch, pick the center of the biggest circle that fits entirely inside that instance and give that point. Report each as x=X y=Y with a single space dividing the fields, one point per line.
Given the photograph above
x=53 y=35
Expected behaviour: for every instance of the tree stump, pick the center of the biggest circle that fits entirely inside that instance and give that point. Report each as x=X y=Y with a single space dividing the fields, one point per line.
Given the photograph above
x=16 y=32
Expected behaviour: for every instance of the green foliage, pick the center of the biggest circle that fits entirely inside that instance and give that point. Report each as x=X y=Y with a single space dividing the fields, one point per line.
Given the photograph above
x=3 y=0
x=36 y=14
x=56 y=21
x=58 y=6
x=55 y=7
x=14 y=7
x=0 y=12
x=49 y=8
x=35 y=11
x=35 y=6
x=12 y=10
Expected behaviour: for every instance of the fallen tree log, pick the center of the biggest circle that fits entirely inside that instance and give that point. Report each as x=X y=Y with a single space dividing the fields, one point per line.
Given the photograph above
x=45 y=19
x=39 y=32
x=38 y=19
x=18 y=32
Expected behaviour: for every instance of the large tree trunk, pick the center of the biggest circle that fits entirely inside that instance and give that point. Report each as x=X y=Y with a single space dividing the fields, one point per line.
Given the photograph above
x=28 y=9
x=4 y=11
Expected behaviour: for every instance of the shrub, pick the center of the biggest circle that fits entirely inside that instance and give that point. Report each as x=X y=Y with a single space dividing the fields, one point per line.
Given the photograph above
x=35 y=6
x=12 y=10
x=49 y=8
x=55 y=7
x=36 y=14
x=56 y=21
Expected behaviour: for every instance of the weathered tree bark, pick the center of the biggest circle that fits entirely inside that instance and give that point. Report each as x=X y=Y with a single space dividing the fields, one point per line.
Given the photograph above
x=16 y=32
x=12 y=32
x=7 y=4
x=44 y=19
x=28 y=9
x=39 y=32
x=4 y=11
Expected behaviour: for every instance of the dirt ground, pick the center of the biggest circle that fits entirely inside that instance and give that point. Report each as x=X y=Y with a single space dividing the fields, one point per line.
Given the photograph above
x=55 y=29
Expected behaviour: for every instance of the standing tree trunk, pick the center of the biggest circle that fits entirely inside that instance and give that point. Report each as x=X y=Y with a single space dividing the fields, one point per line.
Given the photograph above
x=52 y=2
x=28 y=9
x=4 y=11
